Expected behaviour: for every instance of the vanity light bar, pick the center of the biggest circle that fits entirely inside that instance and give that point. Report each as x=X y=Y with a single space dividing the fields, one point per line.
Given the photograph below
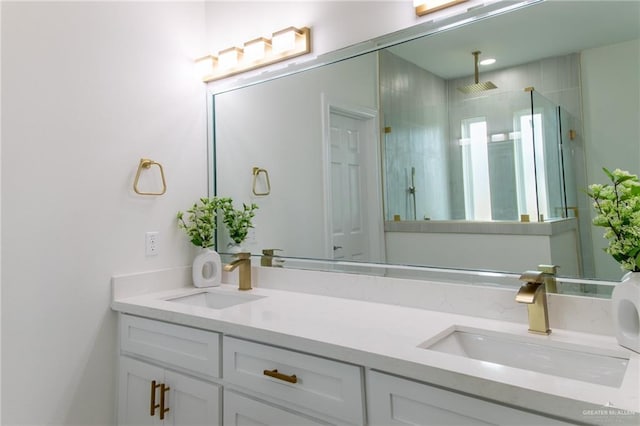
x=424 y=7
x=284 y=44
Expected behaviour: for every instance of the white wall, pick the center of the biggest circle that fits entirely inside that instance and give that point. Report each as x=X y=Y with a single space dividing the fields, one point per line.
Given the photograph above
x=88 y=88
x=611 y=93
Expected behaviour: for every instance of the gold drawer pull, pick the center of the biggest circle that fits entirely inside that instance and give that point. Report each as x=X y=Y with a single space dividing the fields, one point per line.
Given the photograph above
x=154 y=386
x=163 y=389
x=274 y=373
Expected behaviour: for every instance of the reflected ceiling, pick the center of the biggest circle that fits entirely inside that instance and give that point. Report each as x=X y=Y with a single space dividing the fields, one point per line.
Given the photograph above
x=577 y=25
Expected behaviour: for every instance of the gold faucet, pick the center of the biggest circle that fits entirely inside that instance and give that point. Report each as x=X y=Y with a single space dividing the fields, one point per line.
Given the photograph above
x=268 y=257
x=243 y=262
x=534 y=294
x=550 y=277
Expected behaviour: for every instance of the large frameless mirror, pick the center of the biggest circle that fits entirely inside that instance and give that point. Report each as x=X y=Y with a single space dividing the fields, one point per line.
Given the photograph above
x=381 y=158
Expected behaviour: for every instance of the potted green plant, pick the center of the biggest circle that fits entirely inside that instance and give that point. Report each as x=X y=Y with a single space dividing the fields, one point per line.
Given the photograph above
x=237 y=221
x=618 y=210
x=200 y=227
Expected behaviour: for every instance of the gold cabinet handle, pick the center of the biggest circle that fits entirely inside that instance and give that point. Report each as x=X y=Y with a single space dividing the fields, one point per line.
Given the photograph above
x=163 y=390
x=154 y=386
x=274 y=373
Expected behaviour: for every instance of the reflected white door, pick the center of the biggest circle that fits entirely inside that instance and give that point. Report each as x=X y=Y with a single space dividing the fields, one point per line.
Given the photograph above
x=348 y=189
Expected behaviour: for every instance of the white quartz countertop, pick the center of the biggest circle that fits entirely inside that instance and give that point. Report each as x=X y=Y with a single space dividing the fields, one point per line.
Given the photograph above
x=388 y=338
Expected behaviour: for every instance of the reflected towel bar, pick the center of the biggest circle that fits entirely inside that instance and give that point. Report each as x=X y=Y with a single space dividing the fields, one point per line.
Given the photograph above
x=146 y=163
x=256 y=173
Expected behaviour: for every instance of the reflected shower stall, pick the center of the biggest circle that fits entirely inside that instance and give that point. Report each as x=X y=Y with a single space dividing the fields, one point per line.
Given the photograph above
x=506 y=159
x=503 y=155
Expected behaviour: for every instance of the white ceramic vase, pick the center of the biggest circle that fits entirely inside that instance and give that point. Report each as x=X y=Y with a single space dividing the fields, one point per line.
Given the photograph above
x=234 y=248
x=207 y=269
x=626 y=311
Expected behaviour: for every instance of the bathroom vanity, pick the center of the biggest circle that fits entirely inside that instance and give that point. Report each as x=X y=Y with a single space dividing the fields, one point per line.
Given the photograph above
x=268 y=356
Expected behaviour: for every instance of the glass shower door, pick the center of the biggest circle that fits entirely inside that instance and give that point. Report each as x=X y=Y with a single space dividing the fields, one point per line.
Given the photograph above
x=550 y=182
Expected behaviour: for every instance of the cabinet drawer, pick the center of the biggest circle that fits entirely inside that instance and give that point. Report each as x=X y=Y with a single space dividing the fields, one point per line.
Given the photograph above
x=240 y=410
x=324 y=386
x=395 y=401
x=184 y=347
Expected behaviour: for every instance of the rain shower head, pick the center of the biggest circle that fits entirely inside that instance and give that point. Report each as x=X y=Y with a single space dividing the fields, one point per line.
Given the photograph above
x=477 y=87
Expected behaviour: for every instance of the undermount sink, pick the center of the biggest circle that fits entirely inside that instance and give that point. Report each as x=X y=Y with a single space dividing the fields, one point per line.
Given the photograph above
x=215 y=299
x=570 y=361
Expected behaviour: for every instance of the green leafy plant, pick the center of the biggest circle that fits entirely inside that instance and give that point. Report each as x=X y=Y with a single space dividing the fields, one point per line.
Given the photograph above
x=618 y=209
x=200 y=225
x=238 y=221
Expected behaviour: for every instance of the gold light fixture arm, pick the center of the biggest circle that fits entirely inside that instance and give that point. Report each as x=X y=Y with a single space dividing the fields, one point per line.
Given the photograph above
x=146 y=164
x=429 y=6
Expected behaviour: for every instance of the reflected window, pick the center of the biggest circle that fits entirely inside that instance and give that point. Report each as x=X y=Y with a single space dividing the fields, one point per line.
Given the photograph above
x=530 y=172
x=530 y=168
x=475 y=166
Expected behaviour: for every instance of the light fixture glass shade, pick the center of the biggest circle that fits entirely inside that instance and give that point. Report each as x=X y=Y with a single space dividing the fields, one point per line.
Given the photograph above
x=256 y=50
x=488 y=61
x=284 y=40
x=229 y=58
x=205 y=65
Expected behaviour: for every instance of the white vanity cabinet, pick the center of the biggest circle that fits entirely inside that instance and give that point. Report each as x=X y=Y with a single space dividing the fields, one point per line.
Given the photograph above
x=282 y=387
x=167 y=374
x=392 y=400
x=173 y=374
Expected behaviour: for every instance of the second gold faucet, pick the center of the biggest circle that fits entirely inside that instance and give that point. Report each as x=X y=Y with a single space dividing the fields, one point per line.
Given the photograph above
x=534 y=294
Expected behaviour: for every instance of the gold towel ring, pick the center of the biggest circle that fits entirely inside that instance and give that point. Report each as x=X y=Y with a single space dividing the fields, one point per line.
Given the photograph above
x=256 y=173
x=145 y=163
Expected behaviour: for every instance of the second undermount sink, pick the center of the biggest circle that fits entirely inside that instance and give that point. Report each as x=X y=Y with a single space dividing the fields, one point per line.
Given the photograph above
x=570 y=361
x=215 y=299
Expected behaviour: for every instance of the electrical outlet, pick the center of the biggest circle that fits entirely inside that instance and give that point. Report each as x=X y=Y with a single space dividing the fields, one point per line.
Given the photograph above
x=151 y=243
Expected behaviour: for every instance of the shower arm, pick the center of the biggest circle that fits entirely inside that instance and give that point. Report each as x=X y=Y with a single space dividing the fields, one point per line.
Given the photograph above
x=475 y=63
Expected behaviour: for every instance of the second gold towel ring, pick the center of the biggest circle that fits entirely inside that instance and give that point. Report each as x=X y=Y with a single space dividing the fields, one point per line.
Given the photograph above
x=256 y=172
